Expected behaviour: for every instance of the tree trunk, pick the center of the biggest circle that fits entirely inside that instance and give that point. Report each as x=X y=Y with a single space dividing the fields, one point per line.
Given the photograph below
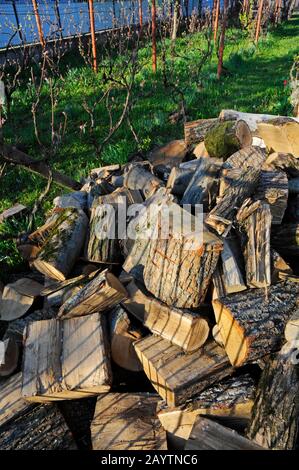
x=181 y=327
x=226 y=138
x=221 y=217
x=102 y=293
x=273 y=190
x=222 y=39
x=203 y=187
x=65 y=360
x=275 y=413
x=252 y=323
x=250 y=118
x=175 y=19
x=254 y=220
x=177 y=376
x=122 y=337
x=63 y=245
x=195 y=131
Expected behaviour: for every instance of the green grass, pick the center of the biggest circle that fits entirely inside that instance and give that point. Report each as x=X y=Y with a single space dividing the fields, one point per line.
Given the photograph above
x=254 y=83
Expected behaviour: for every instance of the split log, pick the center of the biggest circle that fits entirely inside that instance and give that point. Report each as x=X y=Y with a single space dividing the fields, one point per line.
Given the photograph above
x=140 y=231
x=104 y=171
x=275 y=413
x=245 y=158
x=138 y=177
x=206 y=434
x=65 y=360
x=195 y=131
x=221 y=217
x=178 y=180
x=254 y=220
x=169 y=155
x=76 y=200
x=11 y=212
x=216 y=333
x=252 y=323
x=200 y=150
x=280 y=136
x=122 y=336
x=283 y=162
x=273 y=190
x=127 y=421
x=228 y=178
x=230 y=401
x=181 y=327
x=101 y=187
x=18 y=297
x=225 y=138
x=177 y=376
x=278 y=266
x=251 y=119
x=12 y=404
x=181 y=259
x=291 y=332
x=63 y=245
x=39 y=428
x=285 y=239
x=12 y=155
x=102 y=293
x=9 y=355
x=203 y=186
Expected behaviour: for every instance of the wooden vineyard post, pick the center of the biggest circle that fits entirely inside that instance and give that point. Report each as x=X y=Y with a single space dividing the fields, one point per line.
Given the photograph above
x=93 y=35
x=154 y=43
x=38 y=23
x=222 y=39
x=216 y=18
x=140 y=13
x=259 y=19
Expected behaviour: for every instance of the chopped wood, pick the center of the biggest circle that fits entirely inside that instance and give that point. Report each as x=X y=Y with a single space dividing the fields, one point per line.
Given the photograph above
x=104 y=171
x=245 y=158
x=138 y=177
x=40 y=427
x=229 y=400
x=228 y=277
x=254 y=220
x=11 y=212
x=274 y=423
x=169 y=155
x=273 y=190
x=207 y=434
x=63 y=245
x=225 y=138
x=127 y=421
x=11 y=402
x=278 y=267
x=181 y=262
x=13 y=303
x=200 y=150
x=65 y=360
x=177 y=376
x=9 y=355
x=252 y=322
x=76 y=199
x=222 y=215
x=203 y=186
x=123 y=334
x=181 y=327
x=28 y=252
x=228 y=177
x=178 y=180
x=250 y=118
x=102 y=293
x=281 y=137
x=284 y=162
x=195 y=131
x=291 y=332
x=16 y=328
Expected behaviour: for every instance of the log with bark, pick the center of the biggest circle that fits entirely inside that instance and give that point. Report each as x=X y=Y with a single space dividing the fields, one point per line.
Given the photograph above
x=195 y=131
x=177 y=376
x=273 y=190
x=274 y=423
x=102 y=293
x=178 y=180
x=207 y=434
x=122 y=336
x=203 y=186
x=169 y=155
x=245 y=158
x=225 y=138
x=254 y=222
x=138 y=177
x=181 y=327
x=285 y=239
x=127 y=421
x=230 y=401
x=222 y=215
x=76 y=199
x=181 y=259
x=63 y=244
x=65 y=360
x=283 y=162
x=250 y=118
x=12 y=212
x=252 y=322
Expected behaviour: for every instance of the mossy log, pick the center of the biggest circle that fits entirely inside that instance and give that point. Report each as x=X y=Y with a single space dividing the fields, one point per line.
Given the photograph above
x=63 y=245
x=254 y=221
x=122 y=336
x=203 y=186
x=252 y=322
x=226 y=138
x=195 y=131
x=237 y=190
x=102 y=293
x=181 y=327
x=138 y=177
x=274 y=423
x=285 y=239
x=179 y=266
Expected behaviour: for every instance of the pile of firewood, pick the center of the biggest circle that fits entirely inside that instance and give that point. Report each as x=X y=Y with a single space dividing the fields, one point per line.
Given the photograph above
x=209 y=321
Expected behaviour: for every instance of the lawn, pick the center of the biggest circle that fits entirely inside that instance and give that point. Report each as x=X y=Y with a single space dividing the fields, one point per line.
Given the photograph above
x=255 y=81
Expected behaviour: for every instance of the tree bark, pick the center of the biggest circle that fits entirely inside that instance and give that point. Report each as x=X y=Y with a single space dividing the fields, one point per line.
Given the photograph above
x=246 y=157
x=195 y=131
x=273 y=190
